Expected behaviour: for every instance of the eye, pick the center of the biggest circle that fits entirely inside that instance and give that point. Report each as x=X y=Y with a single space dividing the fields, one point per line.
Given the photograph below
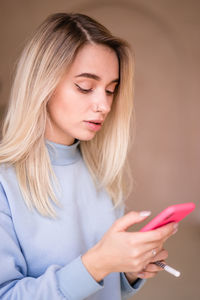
x=83 y=90
x=110 y=92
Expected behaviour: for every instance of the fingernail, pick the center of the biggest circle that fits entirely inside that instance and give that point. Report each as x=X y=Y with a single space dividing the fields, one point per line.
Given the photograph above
x=145 y=213
x=141 y=275
x=175 y=225
x=175 y=228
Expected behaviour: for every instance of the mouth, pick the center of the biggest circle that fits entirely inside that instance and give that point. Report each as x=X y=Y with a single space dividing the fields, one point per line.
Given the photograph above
x=94 y=125
x=97 y=121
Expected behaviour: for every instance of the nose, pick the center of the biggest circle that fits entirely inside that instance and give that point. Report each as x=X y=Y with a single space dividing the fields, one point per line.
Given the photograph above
x=102 y=103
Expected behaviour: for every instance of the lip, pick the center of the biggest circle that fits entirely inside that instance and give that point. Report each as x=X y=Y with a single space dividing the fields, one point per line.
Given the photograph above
x=94 y=125
x=100 y=121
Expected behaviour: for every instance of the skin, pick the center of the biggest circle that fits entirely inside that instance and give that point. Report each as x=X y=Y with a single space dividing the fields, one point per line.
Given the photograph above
x=128 y=252
x=69 y=107
x=68 y=110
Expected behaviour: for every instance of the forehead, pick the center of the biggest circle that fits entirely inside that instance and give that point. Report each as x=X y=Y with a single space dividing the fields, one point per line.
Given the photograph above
x=98 y=59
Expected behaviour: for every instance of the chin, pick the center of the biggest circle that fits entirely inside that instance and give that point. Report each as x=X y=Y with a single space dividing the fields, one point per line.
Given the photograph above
x=86 y=137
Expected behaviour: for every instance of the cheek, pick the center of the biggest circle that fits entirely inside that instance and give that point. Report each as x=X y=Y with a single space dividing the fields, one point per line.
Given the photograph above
x=68 y=103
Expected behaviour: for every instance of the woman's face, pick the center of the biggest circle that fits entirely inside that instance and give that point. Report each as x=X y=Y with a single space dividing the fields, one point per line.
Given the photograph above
x=83 y=98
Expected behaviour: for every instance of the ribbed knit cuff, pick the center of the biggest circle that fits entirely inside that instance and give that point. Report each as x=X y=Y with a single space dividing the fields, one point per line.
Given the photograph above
x=128 y=289
x=75 y=282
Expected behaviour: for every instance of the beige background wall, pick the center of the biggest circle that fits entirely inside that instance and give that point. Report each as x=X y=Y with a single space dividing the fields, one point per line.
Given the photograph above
x=166 y=155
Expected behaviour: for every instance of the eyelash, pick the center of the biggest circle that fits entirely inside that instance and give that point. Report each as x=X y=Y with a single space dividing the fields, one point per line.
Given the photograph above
x=84 y=91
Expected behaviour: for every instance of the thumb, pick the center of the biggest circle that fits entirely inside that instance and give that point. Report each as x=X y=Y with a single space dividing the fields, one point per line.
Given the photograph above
x=131 y=218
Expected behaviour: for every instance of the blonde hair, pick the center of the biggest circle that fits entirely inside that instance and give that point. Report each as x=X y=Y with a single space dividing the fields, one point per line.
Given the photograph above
x=41 y=66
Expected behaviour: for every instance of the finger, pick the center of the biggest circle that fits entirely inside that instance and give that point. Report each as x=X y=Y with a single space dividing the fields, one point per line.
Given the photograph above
x=162 y=255
x=153 y=248
x=150 y=257
x=137 y=238
x=167 y=230
x=153 y=253
x=131 y=218
x=160 y=234
x=153 y=268
x=146 y=275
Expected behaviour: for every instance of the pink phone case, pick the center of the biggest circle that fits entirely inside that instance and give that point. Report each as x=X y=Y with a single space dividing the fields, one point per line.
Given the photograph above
x=173 y=213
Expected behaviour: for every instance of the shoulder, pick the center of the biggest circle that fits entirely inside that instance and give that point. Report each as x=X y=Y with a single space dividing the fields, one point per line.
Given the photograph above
x=4 y=207
x=6 y=169
x=7 y=175
x=8 y=186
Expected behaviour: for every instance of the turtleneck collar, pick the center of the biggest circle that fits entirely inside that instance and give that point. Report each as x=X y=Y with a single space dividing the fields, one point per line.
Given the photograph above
x=62 y=154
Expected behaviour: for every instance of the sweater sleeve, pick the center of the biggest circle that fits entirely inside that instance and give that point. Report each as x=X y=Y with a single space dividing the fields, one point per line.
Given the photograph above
x=71 y=282
x=128 y=290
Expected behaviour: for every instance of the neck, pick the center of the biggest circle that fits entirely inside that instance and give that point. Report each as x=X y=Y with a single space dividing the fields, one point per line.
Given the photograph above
x=63 y=154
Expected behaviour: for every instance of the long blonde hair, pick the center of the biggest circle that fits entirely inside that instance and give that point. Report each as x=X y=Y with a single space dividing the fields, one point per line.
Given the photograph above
x=41 y=66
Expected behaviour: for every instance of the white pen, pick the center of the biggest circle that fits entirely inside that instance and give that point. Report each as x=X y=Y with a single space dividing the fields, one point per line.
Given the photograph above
x=168 y=268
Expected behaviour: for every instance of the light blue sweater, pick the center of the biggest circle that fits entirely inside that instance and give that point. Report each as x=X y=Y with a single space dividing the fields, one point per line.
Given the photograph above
x=40 y=258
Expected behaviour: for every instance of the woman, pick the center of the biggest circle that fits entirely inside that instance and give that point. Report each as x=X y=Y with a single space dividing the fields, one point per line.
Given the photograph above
x=62 y=154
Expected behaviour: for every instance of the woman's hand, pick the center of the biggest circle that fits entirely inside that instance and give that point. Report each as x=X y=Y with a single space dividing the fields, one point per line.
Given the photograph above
x=150 y=270
x=128 y=252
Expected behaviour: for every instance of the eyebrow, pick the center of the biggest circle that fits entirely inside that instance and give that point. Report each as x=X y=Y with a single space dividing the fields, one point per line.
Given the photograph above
x=94 y=76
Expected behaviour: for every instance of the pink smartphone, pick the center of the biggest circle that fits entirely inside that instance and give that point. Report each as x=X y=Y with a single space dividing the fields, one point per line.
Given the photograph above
x=174 y=213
